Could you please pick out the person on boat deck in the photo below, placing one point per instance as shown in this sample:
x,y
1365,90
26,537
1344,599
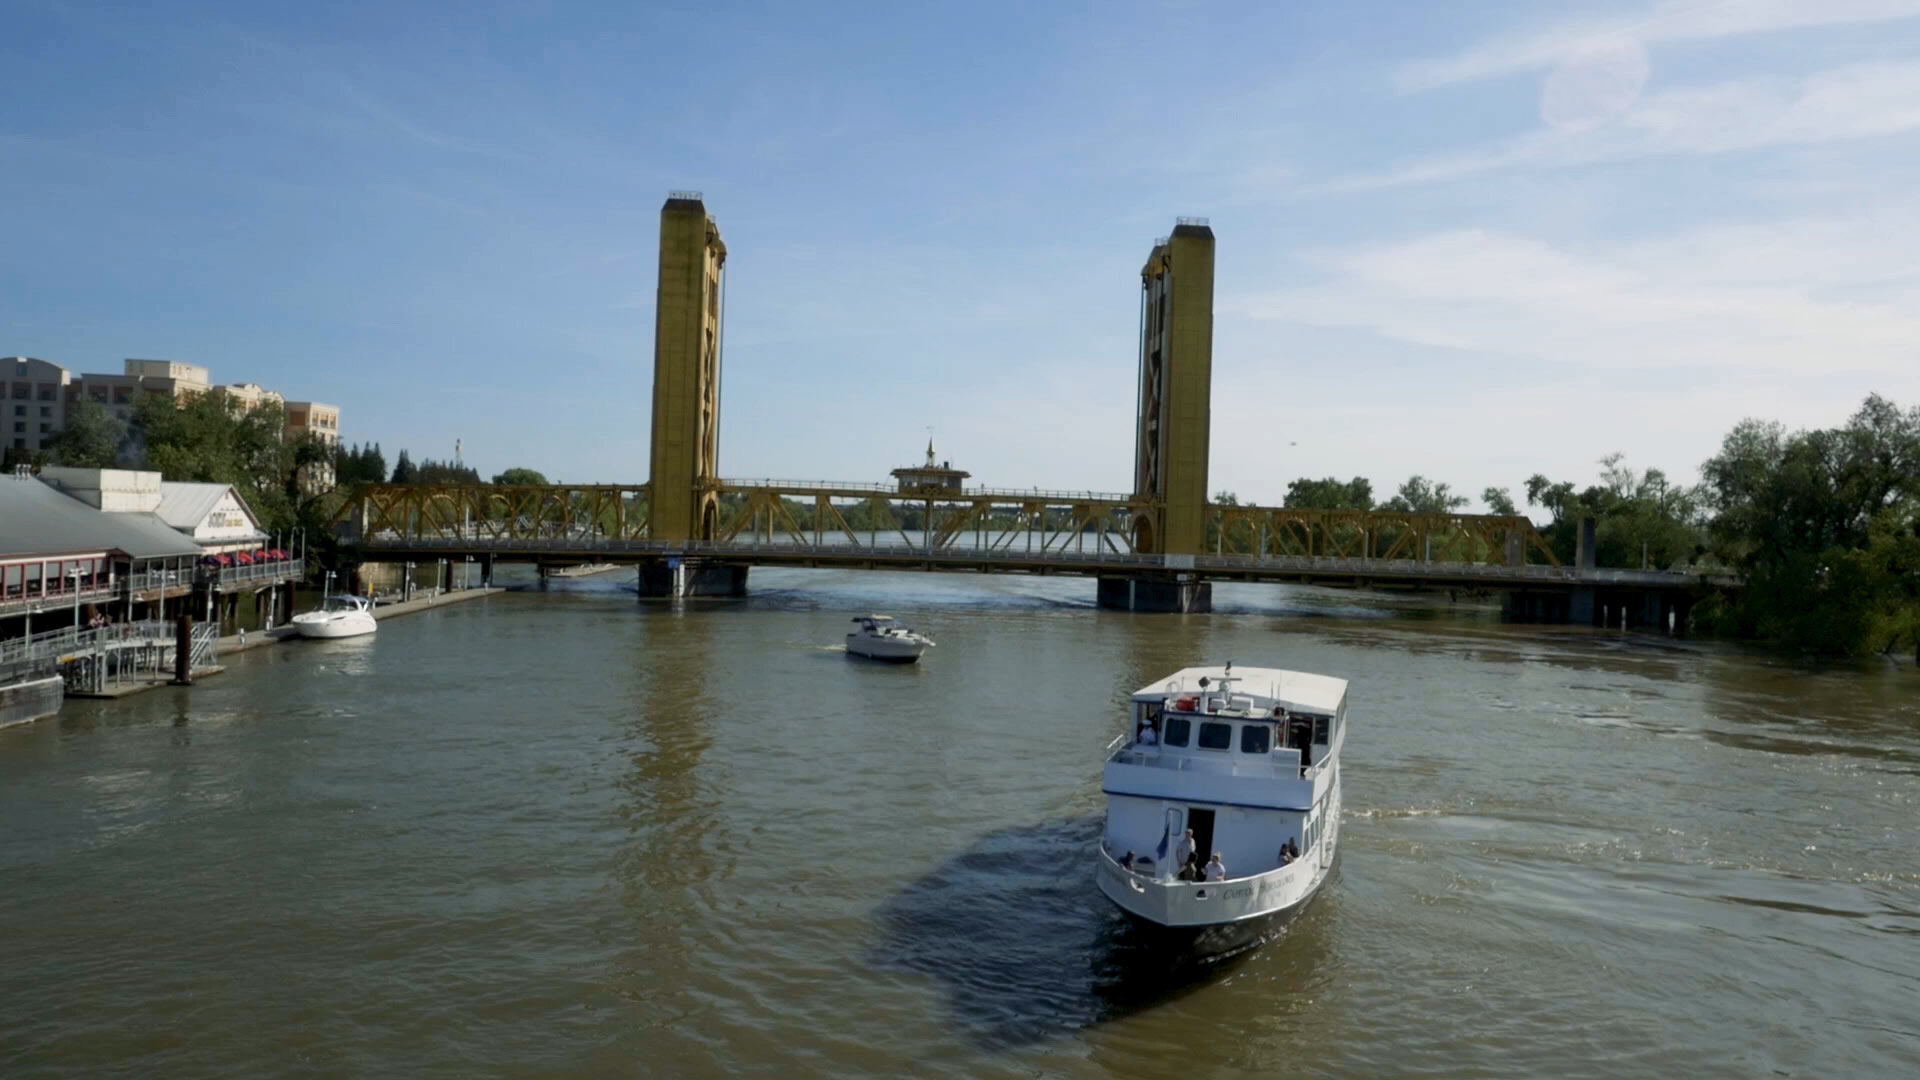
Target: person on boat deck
x,y
1216,870
1126,861
1147,736
1285,855
1186,852
1293,849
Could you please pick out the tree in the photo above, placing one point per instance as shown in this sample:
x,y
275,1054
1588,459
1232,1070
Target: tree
x,y
1641,519
1330,494
1221,498
1499,501
403,470
1822,522
520,476
360,465
429,471
1420,496
92,438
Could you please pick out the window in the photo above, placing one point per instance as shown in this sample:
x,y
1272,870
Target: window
x,y
1254,738
122,395
49,392
46,410
1322,725
1216,736
22,391
19,425
19,369
19,444
19,410
1178,728
44,428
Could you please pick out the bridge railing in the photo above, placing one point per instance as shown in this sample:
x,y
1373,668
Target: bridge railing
x,y
1318,565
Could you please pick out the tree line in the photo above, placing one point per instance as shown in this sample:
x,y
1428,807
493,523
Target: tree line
x,y
1822,525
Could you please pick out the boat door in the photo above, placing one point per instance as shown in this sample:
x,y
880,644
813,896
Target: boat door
x,y
1201,822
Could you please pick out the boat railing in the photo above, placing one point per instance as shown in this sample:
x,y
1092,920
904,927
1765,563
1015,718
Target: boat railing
x,y
1153,758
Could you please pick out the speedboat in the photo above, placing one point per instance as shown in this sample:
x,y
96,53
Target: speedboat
x,y
879,637
1241,768
338,616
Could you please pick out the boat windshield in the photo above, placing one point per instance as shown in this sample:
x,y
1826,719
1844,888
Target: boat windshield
x,y
343,603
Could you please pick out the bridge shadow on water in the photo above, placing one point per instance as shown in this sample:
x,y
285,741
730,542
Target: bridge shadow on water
x,y
1024,944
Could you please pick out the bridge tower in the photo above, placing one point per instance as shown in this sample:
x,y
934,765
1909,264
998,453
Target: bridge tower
x,y
1174,419
686,372
682,504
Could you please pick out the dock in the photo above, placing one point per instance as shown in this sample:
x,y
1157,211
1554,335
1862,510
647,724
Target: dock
x,y
131,659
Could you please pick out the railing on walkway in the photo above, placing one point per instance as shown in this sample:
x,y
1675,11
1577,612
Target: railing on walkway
x,y
260,573
19,599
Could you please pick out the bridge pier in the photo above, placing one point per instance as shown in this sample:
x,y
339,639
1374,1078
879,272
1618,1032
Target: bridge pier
x,y
1184,595
691,577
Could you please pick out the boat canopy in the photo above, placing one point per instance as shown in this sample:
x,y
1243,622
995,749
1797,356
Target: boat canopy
x,y
1252,689
872,618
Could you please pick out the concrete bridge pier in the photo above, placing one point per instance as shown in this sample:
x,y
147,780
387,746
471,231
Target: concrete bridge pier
x,y
676,576
1183,594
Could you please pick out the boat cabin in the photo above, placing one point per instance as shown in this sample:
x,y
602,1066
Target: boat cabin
x,y
1244,757
346,602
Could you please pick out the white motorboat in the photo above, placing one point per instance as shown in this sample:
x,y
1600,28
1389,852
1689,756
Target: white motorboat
x,y
1240,764
879,637
339,616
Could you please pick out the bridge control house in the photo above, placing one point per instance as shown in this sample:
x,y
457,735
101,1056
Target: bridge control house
x,y
932,476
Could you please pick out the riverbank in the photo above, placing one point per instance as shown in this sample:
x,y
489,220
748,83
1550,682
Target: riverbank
x,y
255,639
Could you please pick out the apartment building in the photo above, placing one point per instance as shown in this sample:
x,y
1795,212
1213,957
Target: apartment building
x,y
36,397
33,406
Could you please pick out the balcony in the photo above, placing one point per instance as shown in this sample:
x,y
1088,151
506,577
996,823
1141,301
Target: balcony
x,y
269,572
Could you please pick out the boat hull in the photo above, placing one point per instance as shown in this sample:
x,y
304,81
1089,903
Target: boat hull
x,y
1218,918
893,652
334,628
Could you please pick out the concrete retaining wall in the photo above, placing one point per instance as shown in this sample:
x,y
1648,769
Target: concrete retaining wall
x,y
24,701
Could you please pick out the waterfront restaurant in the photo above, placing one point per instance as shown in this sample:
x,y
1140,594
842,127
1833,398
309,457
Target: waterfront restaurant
x,y
63,561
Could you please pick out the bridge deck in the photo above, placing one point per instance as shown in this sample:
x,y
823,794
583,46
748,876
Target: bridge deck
x,y
1301,568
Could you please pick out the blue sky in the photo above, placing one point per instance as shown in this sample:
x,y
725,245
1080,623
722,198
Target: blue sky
x,y
1469,241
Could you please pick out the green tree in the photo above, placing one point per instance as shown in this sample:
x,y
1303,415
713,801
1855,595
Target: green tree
x,y
1499,501
1421,496
403,470
520,476
92,438
1330,494
1821,522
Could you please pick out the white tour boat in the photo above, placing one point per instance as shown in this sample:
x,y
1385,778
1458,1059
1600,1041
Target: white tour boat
x,y
1248,760
879,637
339,616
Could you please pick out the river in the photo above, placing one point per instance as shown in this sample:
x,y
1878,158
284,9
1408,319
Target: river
x,y
563,833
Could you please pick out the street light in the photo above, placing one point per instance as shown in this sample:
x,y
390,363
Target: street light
x,y
73,574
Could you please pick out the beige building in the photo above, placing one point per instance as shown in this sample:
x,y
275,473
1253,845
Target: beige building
x,y
306,418
36,398
33,402
250,395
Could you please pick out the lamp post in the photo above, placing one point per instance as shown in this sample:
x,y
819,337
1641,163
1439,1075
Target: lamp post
x,y
73,576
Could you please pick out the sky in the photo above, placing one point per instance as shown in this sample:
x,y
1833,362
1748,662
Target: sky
x,y
1469,241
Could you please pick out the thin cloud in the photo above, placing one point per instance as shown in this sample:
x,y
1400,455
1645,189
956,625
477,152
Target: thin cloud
x,y
1674,20
1685,302
1853,102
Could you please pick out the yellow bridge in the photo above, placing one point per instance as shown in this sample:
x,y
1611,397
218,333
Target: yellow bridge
x,y
691,531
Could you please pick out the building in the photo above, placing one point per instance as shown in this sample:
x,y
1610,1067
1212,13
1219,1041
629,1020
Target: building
x,y
63,560
37,397
250,395
935,475
33,408
321,421
220,531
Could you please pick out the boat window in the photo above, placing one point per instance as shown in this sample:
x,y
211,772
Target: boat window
x,y
1321,726
1216,736
1254,739
1175,731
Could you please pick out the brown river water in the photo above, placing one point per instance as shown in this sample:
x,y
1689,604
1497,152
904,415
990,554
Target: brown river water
x,y
562,833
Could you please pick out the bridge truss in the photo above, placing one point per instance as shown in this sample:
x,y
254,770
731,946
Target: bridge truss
x,y
880,518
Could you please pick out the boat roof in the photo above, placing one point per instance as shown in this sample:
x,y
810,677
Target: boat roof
x,y
873,618
1299,691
